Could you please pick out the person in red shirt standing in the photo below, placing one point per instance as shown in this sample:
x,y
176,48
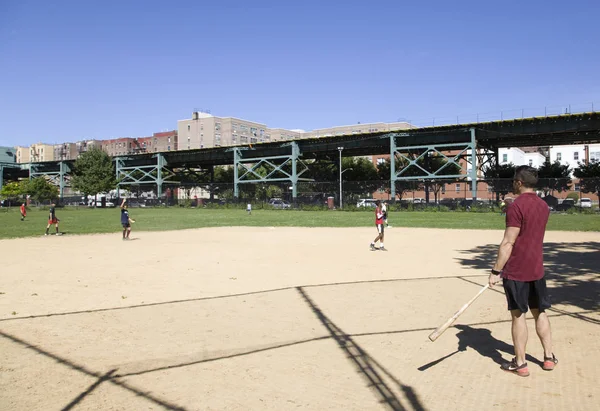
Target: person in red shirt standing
x,y
520,264
380,227
23,212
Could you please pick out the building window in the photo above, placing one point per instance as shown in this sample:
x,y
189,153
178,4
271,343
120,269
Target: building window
x,y
253,140
530,162
576,155
443,188
458,188
168,148
558,156
595,156
504,158
189,127
380,161
577,187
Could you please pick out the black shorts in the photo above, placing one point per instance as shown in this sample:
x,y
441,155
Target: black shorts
x,y
523,294
126,225
380,228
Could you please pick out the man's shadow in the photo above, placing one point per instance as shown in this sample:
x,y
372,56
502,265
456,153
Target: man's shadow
x,y
482,341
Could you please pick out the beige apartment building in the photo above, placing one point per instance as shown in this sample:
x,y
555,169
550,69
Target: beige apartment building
x,y
281,134
205,131
35,153
22,154
356,129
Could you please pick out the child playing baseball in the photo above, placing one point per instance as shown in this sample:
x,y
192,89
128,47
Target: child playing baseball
x,y
125,220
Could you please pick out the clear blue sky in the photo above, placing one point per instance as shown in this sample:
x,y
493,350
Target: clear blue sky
x,y
81,69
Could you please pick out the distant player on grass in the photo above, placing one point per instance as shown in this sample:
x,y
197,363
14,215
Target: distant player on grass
x,y
52,218
379,225
23,212
521,263
125,220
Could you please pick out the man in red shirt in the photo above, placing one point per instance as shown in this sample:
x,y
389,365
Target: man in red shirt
x,y
23,212
379,217
520,264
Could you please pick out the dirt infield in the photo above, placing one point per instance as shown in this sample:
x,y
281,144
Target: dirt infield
x,y
285,319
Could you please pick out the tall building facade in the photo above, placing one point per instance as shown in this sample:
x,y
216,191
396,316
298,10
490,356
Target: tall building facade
x,y
204,130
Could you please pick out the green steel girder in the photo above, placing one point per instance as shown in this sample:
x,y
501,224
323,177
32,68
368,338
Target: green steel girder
x,y
249,165
58,177
467,145
156,173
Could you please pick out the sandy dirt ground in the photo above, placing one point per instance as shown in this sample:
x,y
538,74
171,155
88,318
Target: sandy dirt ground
x,y
285,319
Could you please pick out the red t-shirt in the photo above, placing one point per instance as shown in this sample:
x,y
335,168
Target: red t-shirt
x,y
529,213
378,216
23,210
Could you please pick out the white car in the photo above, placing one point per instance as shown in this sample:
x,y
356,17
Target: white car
x,y
585,203
281,204
99,204
366,202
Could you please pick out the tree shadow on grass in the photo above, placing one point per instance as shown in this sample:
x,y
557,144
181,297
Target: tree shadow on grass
x,y
572,269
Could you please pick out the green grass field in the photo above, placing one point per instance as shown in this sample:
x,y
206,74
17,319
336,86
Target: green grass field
x,y
89,221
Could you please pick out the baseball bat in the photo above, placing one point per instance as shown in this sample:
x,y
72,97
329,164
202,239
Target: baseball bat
x,y
440,330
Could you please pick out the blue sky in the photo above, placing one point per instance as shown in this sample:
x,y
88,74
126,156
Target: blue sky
x,y
81,69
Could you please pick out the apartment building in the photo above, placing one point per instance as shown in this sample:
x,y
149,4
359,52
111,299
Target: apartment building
x,y
573,154
22,154
35,153
118,146
85,145
281,134
65,151
356,129
521,157
158,142
205,131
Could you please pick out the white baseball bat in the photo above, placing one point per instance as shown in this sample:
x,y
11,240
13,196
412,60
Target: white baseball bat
x,y
438,331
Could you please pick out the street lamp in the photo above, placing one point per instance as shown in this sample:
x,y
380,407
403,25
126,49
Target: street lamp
x,y
341,172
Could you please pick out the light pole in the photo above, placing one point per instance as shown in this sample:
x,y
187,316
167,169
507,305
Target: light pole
x,y
341,172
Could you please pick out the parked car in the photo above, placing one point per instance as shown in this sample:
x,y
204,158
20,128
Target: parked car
x,y
281,204
585,203
566,204
366,202
109,204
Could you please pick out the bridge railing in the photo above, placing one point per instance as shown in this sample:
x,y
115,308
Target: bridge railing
x,y
508,114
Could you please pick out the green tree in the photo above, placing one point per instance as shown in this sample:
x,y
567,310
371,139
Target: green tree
x,y
499,178
589,177
554,177
94,173
40,190
11,190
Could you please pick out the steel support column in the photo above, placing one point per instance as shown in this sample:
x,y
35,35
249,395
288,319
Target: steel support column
x,y
160,162
1,176
473,172
294,178
236,177
64,169
118,174
393,175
